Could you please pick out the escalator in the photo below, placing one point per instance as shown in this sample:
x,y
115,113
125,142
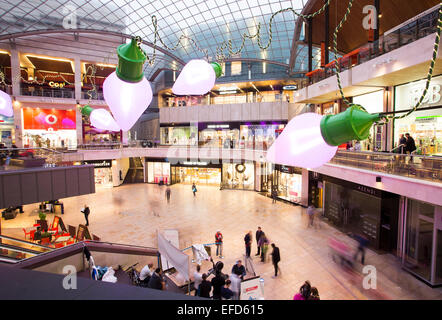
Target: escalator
x,y
13,250
135,174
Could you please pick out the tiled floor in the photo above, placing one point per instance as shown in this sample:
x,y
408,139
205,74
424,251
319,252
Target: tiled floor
x,y
133,214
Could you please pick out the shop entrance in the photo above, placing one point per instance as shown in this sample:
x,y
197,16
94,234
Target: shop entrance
x,y
198,175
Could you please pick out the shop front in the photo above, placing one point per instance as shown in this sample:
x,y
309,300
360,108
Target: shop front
x,y
7,130
219,135
179,135
424,126
238,176
422,242
359,209
288,183
93,135
199,172
102,172
158,171
51,128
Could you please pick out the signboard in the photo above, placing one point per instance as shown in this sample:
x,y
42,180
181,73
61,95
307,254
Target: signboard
x,y
252,289
48,119
99,163
83,233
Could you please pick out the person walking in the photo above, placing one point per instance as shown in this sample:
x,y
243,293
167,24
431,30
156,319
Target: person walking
x,y
274,195
194,190
205,287
219,244
311,215
168,191
362,244
248,243
275,258
235,285
258,235
86,212
263,243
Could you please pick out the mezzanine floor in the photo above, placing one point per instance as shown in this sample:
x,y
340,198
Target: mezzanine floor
x,y
132,214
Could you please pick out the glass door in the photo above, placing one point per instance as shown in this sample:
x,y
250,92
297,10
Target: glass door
x,y
438,252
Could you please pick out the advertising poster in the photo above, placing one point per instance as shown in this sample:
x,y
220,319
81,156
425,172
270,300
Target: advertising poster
x,y
48,119
252,289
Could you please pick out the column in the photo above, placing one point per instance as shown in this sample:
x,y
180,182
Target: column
x,y
15,72
310,44
326,33
77,66
378,10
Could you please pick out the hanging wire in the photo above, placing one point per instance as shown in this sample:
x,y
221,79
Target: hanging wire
x,y
387,118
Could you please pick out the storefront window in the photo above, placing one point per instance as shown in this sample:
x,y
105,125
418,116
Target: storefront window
x,y
353,211
217,137
103,177
158,171
419,238
197,175
182,136
289,186
259,136
238,176
424,126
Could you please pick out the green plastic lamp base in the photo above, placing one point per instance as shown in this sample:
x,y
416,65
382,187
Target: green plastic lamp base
x,y
217,67
130,62
86,110
352,124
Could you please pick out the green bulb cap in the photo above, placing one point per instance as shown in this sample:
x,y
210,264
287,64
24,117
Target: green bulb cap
x,y
217,67
352,124
130,62
86,110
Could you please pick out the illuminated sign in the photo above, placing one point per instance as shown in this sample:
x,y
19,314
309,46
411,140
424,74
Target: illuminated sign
x,y
218,126
190,163
48,119
290,87
53,84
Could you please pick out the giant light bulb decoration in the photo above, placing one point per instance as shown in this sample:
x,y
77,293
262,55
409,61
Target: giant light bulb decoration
x,y
126,91
5,104
310,140
197,78
100,118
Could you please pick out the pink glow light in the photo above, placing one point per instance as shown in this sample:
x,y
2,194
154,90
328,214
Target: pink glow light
x,y
196,78
126,100
5,104
301,144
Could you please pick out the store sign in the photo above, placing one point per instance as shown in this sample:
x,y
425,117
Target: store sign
x,y
218,126
286,169
433,96
428,118
53,84
290,87
252,289
368,190
193,163
99,163
48,119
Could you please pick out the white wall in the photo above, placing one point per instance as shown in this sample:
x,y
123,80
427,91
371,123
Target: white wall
x,y
121,164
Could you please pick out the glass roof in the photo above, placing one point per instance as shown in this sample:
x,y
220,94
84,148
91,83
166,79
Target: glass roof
x,y
207,22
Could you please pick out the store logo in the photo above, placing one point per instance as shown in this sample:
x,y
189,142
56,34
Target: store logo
x,y
70,280
51,119
433,95
370,280
367,190
370,21
53,84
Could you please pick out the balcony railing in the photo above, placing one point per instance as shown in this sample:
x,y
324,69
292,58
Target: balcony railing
x,y
92,95
419,167
407,34
51,93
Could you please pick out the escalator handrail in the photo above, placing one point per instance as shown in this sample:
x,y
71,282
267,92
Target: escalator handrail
x,y
18,249
25,242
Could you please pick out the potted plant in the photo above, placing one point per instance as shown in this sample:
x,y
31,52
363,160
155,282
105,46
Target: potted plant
x,y
42,216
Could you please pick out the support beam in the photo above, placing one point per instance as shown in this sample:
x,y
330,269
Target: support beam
x,y
310,44
326,33
378,11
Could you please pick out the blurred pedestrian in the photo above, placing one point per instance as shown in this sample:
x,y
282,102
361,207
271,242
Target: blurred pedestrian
x,y
205,287
264,244
248,243
258,235
168,191
275,258
410,145
194,190
235,285
362,244
198,279
311,215
274,195
86,212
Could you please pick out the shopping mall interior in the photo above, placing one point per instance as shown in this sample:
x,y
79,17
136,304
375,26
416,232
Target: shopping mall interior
x,y
225,150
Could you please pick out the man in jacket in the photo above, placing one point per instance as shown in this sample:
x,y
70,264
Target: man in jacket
x,y
217,283
248,243
275,258
258,235
239,269
156,280
205,287
410,145
86,212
